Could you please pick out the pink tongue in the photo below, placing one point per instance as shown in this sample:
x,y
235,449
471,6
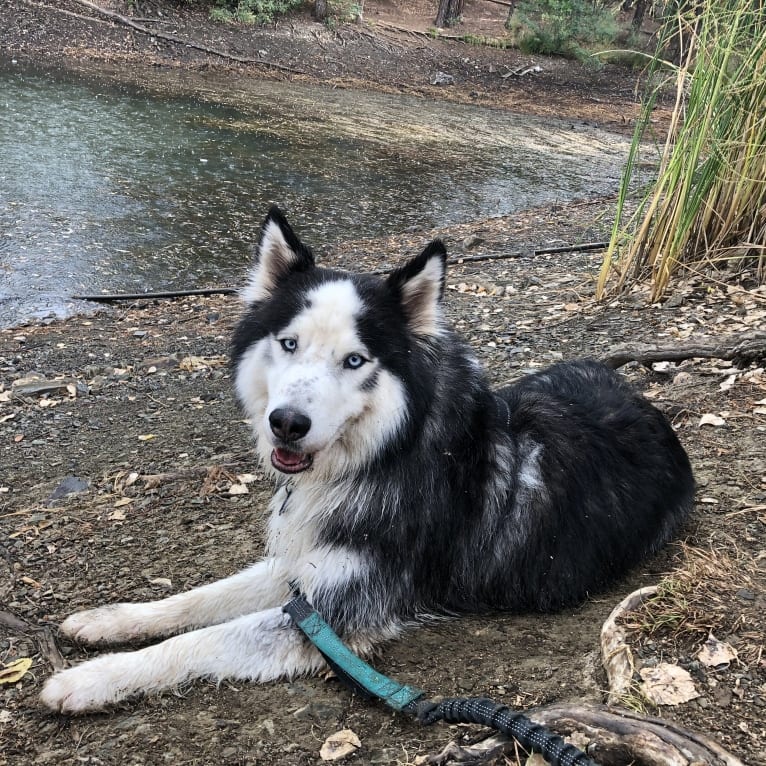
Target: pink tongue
x,y
289,458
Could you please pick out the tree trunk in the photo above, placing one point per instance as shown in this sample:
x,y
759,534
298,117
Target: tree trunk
x,y
638,15
449,12
511,11
320,10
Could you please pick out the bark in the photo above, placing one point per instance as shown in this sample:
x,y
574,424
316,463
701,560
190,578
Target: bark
x,y
638,15
320,10
449,12
740,349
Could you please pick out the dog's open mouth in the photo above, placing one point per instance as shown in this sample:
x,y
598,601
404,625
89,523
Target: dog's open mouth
x,y
290,462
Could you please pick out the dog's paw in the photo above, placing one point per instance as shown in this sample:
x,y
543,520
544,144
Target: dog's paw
x,y
85,688
112,624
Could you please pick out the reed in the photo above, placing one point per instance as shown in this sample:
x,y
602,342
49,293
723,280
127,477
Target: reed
x,y
706,208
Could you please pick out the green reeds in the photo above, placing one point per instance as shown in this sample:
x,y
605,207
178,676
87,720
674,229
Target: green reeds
x,y
706,208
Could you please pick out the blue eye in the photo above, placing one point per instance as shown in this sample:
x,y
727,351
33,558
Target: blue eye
x,y
354,361
289,344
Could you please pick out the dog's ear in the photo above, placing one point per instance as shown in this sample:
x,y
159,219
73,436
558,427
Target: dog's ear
x,y
279,253
419,285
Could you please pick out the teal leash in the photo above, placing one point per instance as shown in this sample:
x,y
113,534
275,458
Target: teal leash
x,y
349,667
363,678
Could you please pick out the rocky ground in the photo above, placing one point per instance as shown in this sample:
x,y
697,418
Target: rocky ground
x,y
124,456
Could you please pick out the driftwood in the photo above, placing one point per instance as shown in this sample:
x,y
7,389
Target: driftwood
x,y
621,736
616,656
610,736
741,349
125,21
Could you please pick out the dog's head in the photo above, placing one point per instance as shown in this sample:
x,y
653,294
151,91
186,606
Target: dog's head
x,y
326,361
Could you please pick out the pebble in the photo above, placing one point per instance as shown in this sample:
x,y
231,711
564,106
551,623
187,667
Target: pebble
x,y
442,78
320,711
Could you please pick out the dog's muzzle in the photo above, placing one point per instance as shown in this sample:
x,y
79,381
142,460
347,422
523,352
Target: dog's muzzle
x,y
289,427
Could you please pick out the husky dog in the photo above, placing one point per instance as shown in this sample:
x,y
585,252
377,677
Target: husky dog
x,y
406,488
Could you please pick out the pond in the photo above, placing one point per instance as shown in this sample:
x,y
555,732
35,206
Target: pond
x,y
160,180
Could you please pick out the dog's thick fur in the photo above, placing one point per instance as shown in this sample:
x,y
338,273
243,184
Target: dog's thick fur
x,y
406,488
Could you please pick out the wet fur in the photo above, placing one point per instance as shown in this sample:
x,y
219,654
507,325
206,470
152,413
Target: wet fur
x,y
428,493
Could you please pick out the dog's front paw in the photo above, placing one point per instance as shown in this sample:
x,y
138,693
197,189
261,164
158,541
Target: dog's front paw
x,y
113,624
86,688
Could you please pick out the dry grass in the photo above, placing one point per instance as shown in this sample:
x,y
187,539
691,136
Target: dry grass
x,y
706,209
704,596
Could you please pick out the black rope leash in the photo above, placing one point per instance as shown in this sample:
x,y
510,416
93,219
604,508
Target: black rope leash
x,y
367,681
529,735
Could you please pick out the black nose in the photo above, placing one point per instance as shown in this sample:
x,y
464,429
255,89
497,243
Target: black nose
x,y
289,425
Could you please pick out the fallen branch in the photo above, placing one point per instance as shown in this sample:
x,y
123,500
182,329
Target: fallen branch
x,y
209,472
113,297
46,644
433,34
63,11
457,261
741,349
125,21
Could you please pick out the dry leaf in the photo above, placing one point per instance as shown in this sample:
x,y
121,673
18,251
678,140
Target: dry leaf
x,y
116,516
667,684
145,437
163,582
197,363
123,501
238,489
339,745
132,479
709,419
715,653
14,672
246,478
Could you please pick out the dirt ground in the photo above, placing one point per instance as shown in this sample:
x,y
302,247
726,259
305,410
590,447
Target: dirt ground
x,y
120,444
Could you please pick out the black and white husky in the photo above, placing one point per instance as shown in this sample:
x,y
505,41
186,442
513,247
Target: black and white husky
x,y
406,488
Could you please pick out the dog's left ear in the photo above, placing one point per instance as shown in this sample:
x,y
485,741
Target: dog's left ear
x,y
419,285
279,253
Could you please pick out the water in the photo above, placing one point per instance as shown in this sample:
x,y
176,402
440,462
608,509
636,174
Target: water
x,y
105,186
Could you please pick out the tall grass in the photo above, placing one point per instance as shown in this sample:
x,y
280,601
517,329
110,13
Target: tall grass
x,y
706,209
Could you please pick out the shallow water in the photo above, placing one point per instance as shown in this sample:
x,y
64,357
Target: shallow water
x,y
108,186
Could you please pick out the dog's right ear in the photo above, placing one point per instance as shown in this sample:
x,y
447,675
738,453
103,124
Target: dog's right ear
x,y
279,253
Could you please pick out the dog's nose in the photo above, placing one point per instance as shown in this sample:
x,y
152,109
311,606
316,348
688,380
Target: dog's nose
x,y
289,425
